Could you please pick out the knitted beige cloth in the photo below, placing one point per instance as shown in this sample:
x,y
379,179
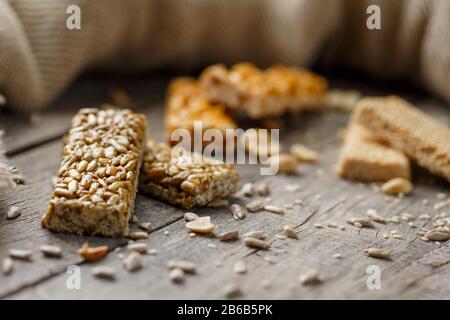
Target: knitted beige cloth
x,y
40,56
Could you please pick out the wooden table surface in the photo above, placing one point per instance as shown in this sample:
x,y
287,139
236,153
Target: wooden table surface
x,y
418,269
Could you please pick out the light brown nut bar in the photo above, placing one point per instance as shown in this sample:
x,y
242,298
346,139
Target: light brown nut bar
x,y
408,129
186,104
97,181
365,159
263,93
185,183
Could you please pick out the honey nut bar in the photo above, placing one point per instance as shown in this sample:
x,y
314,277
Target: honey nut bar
x,y
364,158
186,104
408,129
263,93
97,180
180,181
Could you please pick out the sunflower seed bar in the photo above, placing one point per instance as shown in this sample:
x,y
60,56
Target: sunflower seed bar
x,y
97,181
178,180
186,104
408,129
263,93
364,158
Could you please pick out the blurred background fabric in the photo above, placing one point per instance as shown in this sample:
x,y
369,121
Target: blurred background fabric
x,y
40,56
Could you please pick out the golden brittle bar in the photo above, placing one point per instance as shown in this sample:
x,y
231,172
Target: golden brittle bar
x,y
187,104
181,181
97,181
263,93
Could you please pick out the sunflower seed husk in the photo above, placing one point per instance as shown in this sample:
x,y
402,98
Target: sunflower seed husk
x,y
104,272
238,212
310,277
254,206
232,290
176,275
13,213
147,226
228,235
7,265
138,235
133,261
190,216
186,266
20,254
290,232
256,243
138,247
240,267
274,209
378,253
51,251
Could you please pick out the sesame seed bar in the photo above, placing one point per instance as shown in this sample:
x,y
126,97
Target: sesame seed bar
x,y
408,129
97,180
263,93
186,104
178,180
364,158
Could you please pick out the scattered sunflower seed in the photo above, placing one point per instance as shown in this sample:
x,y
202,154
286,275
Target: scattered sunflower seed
x,y
363,221
20,254
237,211
232,290
398,236
153,252
441,196
437,235
7,265
280,237
51,251
240,267
270,259
303,153
186,266
397,186
133,261
274,209
318,226
440,205
248,189
375,216
290,232
262,190
147,226
201,225
192,234
257,234
298,202
228,235
166,233
190,216
13,213
256,243
342,228
412,225
424,217
337,256
134,219
332,224
292,187
176,275
254,206
378,253
310,277
212,246
104,272
138,247
138,235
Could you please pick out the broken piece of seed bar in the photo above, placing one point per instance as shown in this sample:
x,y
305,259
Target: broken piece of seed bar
x,y
263,93
408,129
97,180
364,158
182,179
186,103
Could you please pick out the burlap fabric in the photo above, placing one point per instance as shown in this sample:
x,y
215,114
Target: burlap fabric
x,y
39,56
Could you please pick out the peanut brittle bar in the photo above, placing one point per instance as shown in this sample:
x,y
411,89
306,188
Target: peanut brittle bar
x,y
408,129
186,104
180,181
364,158
263,93
97,181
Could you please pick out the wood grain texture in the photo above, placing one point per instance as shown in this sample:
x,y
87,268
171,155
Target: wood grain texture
x,y
417,269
